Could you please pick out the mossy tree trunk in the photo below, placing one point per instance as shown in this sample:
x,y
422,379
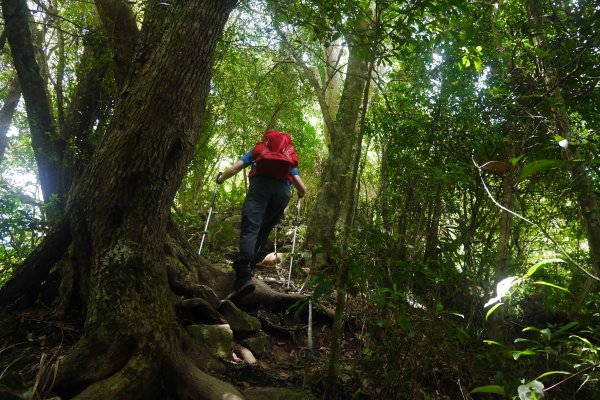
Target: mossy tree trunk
x,y
119,210
117,221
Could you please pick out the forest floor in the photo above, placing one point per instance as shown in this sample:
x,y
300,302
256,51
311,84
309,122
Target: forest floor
x,y
289,361
32,342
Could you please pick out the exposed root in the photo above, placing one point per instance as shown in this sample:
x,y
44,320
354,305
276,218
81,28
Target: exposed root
x,y
190,383
138,379
271,299
198,311
91,360
23,288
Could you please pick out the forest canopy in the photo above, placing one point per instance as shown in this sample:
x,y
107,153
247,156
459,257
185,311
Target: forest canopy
x,y
448,243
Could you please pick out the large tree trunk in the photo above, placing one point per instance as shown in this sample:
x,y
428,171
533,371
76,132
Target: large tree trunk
x,y
586,198
117,216
120,207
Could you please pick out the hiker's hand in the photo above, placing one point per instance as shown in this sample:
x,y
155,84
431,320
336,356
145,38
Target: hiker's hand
x,y
219,178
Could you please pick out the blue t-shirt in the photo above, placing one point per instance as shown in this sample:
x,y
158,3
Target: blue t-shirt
x,y
248,160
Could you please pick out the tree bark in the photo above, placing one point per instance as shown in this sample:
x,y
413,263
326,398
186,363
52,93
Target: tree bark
x,y
7,111
343,129
432,236
586,198
86,105
47,147
333,70
121,28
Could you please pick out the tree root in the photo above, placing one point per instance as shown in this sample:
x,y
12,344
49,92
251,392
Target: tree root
x,y
191,383
271,299
199,311
139,378
23,288
108,356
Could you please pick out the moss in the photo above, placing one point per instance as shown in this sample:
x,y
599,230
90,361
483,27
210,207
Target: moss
x,y
118,255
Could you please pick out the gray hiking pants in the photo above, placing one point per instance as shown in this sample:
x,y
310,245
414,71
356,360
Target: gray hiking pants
x,y
265,202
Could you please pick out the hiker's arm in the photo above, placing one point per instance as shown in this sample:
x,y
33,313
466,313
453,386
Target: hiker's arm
x,y
299,185
231,171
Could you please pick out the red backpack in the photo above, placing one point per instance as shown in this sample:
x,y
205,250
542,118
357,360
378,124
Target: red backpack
x,y
275,156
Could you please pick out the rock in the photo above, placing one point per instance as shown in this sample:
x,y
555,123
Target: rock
x,y
269,260
256,344
239,321
215,338
272,393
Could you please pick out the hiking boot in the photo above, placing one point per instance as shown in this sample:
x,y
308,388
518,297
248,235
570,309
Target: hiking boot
x,y
243,286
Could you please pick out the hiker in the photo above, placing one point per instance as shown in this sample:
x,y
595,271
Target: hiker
x,y
273,171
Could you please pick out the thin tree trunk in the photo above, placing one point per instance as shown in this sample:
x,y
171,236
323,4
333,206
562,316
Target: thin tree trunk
x,y
333,86
503,249
121,28
7,112
586,198
343,275
84,109
432,238
403,224
47,147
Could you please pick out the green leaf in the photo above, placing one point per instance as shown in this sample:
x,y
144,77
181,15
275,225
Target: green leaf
x,y
584,340
565,328
533,269
492,310
553,285
478,64
515,160
493,342
490,389
527,352
540,166
552,373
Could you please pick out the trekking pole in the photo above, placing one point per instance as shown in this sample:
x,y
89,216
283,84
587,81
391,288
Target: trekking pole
x,y
310,333
212,204
276,227
294,241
